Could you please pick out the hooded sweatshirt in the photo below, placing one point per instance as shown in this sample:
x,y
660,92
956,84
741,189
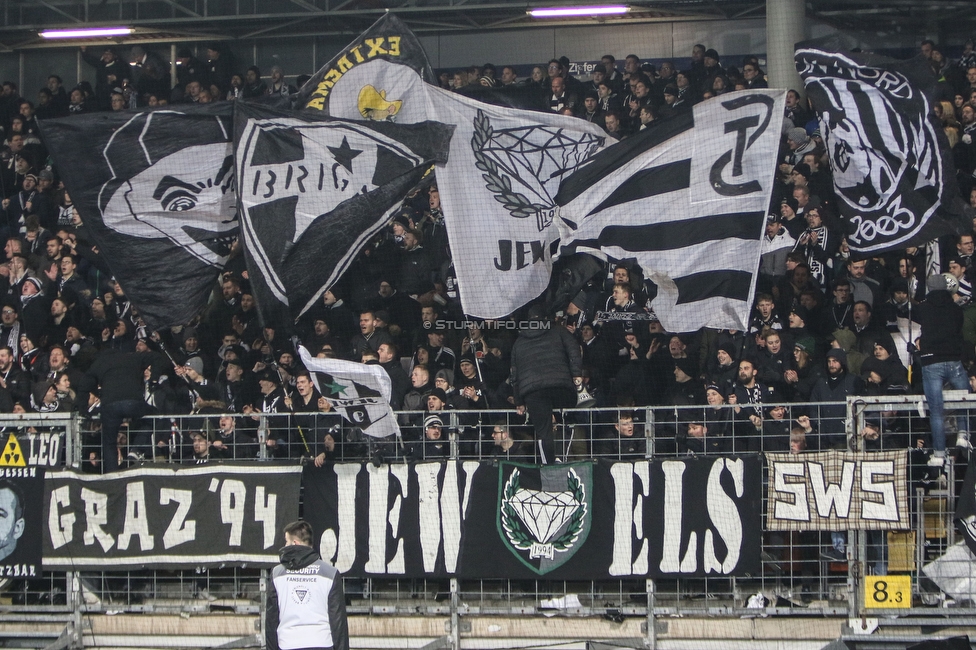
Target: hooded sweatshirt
x,y
306,608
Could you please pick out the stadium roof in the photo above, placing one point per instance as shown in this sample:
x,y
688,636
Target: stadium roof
x,y
168,20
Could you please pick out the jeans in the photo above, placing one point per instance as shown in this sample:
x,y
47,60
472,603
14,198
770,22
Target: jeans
x,y
933,378
112,416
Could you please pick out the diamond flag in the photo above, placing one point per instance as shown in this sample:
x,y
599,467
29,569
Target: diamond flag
x,y
504,168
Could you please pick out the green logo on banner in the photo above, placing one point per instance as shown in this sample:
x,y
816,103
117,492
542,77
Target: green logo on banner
x,y
544,512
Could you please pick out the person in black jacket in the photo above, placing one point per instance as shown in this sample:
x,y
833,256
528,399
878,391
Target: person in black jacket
x,y
119,376
941,353
547,365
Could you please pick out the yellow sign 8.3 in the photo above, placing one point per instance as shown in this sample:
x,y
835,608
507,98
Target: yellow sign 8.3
x,y
887,592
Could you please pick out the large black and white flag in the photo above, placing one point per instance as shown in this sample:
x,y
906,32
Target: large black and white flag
x,y
504,168
359,392
498,191
892,168
687,198
314,191
156,190
368,78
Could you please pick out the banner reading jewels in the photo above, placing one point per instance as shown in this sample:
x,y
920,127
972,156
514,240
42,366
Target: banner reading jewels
x,y
204,515
589,520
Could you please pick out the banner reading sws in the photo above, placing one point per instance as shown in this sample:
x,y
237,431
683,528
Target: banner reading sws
x,y
589,520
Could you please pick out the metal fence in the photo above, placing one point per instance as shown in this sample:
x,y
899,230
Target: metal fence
x,y
797,577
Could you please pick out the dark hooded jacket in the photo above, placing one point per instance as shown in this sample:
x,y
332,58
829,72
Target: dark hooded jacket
x,y
544,358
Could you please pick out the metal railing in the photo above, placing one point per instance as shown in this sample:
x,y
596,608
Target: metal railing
x,y
795,578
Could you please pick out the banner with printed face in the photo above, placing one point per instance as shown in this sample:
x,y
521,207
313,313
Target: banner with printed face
x,y
155,188
837,491
204,515
589,520
21,496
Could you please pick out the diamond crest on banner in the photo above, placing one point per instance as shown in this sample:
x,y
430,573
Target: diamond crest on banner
x,y
545,523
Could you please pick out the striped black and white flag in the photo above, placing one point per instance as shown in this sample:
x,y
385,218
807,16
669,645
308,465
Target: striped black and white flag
x,y
687,198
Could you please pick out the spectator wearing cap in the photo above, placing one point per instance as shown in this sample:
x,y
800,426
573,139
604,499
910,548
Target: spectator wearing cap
x,y
687,389
807,373
435,445
546,362
200,444
272,402
235,387
591,108
883,372
776,245
835,387
799,144
470,386
723,367
18,206
110,72
694,437
964,294
220,66
941,351
278,86
253,85
444,379
189,68
35,307
416,268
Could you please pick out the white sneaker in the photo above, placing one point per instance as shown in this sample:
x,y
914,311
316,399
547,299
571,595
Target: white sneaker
x,y
962,440
936,461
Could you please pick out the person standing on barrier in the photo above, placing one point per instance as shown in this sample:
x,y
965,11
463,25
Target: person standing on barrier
x,y
119,376
941,353
306,606
547,365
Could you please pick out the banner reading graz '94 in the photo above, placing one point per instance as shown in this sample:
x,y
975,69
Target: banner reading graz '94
x,y
588,520
204,515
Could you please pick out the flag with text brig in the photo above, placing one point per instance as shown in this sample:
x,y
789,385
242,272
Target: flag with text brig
x,y
314,191
686,197
359,392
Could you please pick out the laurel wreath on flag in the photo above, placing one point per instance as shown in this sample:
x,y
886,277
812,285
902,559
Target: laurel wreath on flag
x,y
518,205
520,538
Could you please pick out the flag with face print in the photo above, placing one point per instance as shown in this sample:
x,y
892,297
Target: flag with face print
x,y
156,191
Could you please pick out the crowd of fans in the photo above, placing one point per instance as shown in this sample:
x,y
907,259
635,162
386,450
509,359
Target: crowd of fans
x,y
824,326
